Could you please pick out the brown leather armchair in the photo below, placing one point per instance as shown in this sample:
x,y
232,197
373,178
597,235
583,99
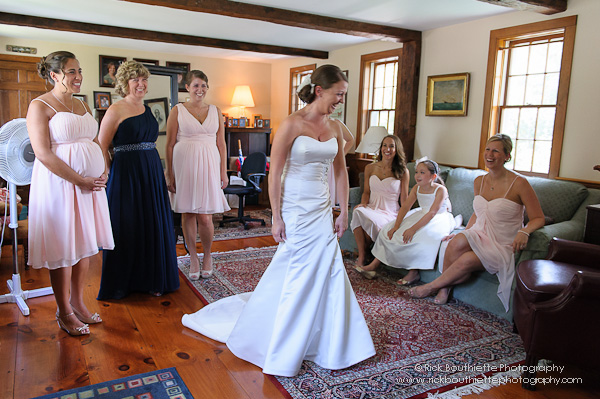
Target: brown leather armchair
x,y
557,306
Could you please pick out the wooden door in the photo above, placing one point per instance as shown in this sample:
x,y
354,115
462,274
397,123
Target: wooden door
x,y
19,84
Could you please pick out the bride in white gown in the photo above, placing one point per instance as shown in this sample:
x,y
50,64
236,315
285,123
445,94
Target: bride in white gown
x,y
303,308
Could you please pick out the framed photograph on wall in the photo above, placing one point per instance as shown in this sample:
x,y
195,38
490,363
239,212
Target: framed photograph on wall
x,y
108,69
102,99
160,109
340,110
146,61
447,95
185,68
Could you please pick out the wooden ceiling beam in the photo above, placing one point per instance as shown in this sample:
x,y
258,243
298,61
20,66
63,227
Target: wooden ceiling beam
x,y
290,18
547,7
139,34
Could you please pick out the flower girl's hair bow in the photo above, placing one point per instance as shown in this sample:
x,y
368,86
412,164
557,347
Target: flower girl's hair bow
x,y
305,82
436,167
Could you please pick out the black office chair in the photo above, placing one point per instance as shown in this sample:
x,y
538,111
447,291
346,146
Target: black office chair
x,y
253,171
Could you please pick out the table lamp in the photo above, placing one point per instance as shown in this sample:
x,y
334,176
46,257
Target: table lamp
x,y
372,140
242,97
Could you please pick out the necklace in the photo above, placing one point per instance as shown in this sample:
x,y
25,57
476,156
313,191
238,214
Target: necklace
x,y
72,105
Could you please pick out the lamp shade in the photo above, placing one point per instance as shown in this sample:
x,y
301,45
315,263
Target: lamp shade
x,y
372,140
242,97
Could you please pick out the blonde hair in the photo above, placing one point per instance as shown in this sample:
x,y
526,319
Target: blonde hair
x,y
506,142
129,70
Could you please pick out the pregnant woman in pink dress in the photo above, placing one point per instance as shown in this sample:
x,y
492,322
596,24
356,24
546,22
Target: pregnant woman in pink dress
x,y
385,182
494,232
197,169
68,209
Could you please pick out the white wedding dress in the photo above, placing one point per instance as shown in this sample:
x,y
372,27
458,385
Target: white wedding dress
x,y
303,308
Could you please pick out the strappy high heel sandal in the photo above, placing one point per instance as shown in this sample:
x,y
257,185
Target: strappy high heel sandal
x,y
195,276
93,319
83,330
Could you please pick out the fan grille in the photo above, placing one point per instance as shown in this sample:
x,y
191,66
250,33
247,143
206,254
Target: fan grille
x,y
16,153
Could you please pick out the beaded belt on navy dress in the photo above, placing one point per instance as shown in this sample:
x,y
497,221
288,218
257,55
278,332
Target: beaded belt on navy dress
x,y
135,147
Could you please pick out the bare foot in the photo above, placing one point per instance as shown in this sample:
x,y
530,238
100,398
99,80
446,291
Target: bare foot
x,y
442,296
421,291
411,277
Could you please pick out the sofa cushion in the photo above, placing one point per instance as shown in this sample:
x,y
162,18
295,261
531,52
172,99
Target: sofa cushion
x,y
460,190
559,199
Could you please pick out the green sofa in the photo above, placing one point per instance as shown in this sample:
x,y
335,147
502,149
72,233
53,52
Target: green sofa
x,y
563,202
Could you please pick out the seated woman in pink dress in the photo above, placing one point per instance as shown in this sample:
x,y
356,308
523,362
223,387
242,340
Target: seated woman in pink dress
x,y
494,232
385,181
197,169
68,209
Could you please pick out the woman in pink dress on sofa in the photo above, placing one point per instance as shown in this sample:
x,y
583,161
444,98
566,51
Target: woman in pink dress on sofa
x,y
385,182
197,169
495,230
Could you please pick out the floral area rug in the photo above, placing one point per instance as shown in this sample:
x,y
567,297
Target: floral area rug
x,y
236,230
423,349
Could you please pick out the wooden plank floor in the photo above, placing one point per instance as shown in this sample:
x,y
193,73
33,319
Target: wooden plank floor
x,y
142,333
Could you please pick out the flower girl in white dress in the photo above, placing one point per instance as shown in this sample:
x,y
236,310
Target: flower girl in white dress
x,y
413,242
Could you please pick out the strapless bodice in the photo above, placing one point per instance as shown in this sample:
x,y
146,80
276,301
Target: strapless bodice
x,y
310,159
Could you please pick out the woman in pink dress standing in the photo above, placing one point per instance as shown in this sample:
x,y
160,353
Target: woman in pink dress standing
x,y
386,181
68,209
197,168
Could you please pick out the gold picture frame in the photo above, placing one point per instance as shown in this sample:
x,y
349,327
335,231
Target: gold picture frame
x,y
447,95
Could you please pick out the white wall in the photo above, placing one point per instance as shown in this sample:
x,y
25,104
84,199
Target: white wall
x,y
464,48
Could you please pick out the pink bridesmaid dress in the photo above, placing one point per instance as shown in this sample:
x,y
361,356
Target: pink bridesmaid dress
x,y
383,206
196,165
67,223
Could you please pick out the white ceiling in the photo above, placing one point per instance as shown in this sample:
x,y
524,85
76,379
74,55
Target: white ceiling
x,y
409,14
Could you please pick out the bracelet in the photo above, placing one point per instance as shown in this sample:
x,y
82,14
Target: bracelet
x,y
524,232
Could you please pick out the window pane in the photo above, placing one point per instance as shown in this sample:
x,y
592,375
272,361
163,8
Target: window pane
x,y
374,118
527,121
390,126
388,98
537,58
524,155
518,61
551,89
383,118
379,75
509,121
533,91
541,156
554,57
378,99
389,74
516,90
545,124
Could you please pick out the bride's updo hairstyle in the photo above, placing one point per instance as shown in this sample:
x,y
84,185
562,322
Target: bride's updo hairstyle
x,y
53,62
129,70
325,76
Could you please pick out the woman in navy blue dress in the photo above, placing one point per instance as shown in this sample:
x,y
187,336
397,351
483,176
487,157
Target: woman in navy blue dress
x,y
144,258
